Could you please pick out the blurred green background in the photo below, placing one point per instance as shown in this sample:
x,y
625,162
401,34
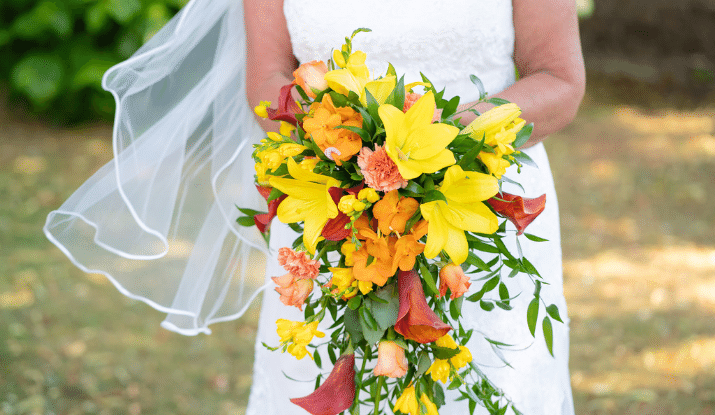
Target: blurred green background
x,y
53,53
634,174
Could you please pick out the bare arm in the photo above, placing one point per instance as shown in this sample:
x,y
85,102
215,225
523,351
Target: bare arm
x,y
269,59
548,55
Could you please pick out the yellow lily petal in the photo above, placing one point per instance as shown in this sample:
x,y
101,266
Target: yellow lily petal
x,y
442,234
474,217
468,187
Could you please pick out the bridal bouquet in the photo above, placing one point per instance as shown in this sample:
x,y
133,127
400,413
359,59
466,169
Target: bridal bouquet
x,y
393,204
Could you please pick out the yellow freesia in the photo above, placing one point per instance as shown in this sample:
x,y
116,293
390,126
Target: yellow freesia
x,y
429,405
463,211
308,201
415,144
495,163
407,402
439,370
462,358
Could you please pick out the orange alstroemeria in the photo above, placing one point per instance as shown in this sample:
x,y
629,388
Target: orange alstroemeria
x,y
415,319
393,212
338,144
336,394
380,248
408,247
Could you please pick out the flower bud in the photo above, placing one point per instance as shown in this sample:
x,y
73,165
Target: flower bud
x,y
452,276
391,360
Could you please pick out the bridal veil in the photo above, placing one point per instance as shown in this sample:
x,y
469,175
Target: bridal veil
x,y
159,220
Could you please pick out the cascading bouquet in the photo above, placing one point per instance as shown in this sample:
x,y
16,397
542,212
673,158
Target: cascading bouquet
x,y
386,200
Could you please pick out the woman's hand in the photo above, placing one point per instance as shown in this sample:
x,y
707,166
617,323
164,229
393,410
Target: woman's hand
x,y
547,54
269,58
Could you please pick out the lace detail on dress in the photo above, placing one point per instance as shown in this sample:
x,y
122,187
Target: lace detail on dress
x,y
446,40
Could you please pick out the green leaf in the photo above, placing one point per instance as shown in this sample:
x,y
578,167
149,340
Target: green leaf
x,y
39,77
498,101
391,70
503,292
491,284
355,302
523,135
359,131
427,277
477,244
367,319
548,335
532,314
352,325
524,158
486,305
433,195
246,221
553,311
472,153
529,267
249,212
275,194
534,238
317,359
438,393
397,96
451,107
386,310
423,364
480,86
455,307
413,189
444,352
474,260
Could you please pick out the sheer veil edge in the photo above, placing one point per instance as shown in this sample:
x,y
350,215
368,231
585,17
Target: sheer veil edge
x,y
159,220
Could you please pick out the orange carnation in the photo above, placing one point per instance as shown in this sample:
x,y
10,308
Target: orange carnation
x,y
338,144
298,264
379,170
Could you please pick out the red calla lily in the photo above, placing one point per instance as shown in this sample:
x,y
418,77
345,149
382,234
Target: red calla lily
x,y
287,107
416,320
335,230
336,394
263,220
521,211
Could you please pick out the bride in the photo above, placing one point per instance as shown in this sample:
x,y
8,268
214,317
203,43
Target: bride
x,y
159,219
447,41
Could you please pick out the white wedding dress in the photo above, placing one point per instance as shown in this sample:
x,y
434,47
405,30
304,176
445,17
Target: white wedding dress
x,y
447,41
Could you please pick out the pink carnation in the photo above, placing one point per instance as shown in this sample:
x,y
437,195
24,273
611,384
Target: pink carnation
x,y
298,264
410,100
379,170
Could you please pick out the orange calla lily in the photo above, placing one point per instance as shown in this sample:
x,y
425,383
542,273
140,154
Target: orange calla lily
x,y
415,319
521,211
336,394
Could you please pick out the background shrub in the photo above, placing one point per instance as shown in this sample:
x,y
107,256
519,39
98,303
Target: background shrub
x,y
53,53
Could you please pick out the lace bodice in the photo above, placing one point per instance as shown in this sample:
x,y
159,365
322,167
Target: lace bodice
x,y
446,40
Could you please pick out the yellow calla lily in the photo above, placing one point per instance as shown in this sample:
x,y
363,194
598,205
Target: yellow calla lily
x,y
463,211
415,144
308,201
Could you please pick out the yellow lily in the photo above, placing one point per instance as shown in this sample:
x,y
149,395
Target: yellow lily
x,y
463,211
415,144
493,120
308,200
